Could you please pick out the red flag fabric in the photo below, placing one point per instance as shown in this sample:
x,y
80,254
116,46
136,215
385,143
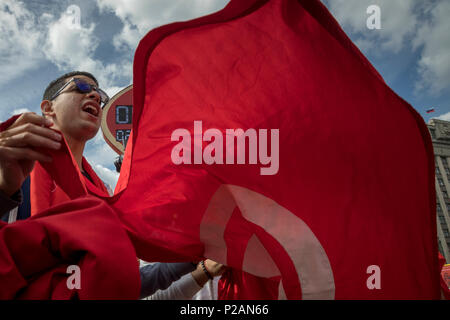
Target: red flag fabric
x,y
335,191
40,255
236,284
54,184
5,125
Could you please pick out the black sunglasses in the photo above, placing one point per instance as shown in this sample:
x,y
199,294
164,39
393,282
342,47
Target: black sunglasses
x,y
83,87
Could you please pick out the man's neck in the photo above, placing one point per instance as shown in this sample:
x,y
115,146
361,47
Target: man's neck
x,y
77,149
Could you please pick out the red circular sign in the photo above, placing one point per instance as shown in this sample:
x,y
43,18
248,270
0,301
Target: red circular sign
x,y
117,119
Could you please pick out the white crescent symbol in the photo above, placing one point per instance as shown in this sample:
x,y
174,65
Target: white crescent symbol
x,y
293,234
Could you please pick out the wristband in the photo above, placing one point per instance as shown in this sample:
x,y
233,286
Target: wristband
x,y
206,271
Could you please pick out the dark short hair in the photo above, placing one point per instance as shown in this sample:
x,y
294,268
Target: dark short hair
x,y
56,84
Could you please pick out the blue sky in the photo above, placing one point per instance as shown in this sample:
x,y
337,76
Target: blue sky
x,y
40,40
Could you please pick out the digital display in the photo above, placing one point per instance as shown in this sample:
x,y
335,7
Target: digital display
x,y
123,115
122,135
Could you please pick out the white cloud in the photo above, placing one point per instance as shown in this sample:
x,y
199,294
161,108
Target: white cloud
x,y
398,21
102,157
19,111
128,38
19,40
365,45
139,17
28,39
111,91
434,63
69,46
414,24
73,48
445,117
108,176
97,151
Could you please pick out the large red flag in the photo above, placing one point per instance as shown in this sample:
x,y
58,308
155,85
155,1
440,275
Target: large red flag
x,y
329,186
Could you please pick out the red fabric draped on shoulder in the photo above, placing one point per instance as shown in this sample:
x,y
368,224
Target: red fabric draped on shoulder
x,y
37,252
61,180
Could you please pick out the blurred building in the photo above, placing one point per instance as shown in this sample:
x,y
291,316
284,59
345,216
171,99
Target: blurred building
x,y
440,134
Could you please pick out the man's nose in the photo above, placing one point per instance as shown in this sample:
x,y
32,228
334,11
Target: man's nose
x,y
95,96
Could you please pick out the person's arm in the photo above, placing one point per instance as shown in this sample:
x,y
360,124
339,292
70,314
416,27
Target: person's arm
x,y
190,284
160,276
183,289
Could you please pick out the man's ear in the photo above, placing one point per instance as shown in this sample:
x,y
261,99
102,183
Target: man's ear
x,y
47,108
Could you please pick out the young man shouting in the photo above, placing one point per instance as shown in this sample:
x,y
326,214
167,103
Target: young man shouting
x,y
72,105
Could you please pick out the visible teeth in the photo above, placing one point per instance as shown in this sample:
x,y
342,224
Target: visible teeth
x,y
90,109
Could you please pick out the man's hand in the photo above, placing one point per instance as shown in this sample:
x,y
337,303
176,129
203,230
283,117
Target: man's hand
x,y
17,149
214,269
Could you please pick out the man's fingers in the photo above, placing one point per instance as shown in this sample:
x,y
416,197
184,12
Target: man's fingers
x,y
31,117
32,128
29,139
23,154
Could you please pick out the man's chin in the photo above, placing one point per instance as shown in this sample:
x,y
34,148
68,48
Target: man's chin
x,y
90,131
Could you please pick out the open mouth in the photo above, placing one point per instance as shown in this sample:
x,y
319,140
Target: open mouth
x,y
92,110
